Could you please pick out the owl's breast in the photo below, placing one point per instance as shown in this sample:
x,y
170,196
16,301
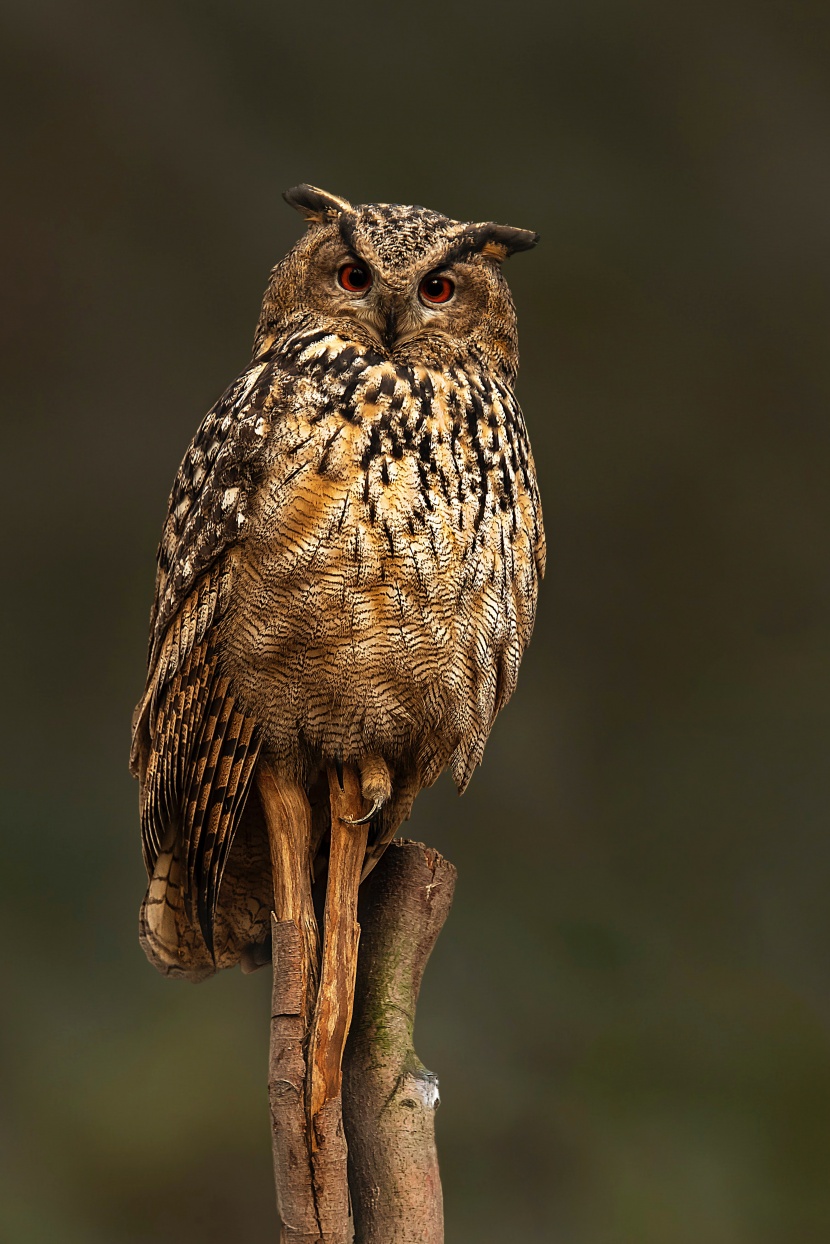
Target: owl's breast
x,y
386,577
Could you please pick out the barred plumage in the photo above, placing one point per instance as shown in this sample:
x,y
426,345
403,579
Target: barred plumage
x,y
349,567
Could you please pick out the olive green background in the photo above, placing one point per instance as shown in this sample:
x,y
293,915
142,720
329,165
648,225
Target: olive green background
x,y
629,1007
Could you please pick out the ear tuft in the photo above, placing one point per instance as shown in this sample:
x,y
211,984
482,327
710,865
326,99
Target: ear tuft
x,y
500,241
316,205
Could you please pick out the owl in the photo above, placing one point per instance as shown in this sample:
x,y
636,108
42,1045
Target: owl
x,y
348,570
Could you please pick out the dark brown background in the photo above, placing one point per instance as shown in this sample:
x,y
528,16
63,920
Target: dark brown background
x,y
629,1007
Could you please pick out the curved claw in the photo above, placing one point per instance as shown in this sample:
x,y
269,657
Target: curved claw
x,y
362,820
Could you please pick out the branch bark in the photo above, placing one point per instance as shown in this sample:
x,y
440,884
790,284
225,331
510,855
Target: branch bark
x,y
294,954
383,1100
389,1097
333,1010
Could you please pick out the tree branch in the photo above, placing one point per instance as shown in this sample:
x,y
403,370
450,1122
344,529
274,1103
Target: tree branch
x,y
389,1097
386,1099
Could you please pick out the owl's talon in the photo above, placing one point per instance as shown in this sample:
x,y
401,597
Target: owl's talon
x,y
362,820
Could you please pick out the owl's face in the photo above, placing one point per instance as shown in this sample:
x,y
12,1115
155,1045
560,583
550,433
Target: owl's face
x,y
407,282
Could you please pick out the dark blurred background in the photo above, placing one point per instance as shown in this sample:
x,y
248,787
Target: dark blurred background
x,y
629,1007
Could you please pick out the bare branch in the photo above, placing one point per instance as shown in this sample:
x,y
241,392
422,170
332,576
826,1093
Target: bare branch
x,y
389,1097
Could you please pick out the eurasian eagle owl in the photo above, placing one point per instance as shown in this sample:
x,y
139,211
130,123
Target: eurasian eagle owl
x,y
349,567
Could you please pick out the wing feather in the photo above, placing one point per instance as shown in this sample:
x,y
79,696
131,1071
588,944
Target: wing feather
x,y
194,749
229,790
203,752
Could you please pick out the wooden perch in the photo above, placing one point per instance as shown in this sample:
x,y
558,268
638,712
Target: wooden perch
x,y
389,1097
311,1005
294,955
384,1095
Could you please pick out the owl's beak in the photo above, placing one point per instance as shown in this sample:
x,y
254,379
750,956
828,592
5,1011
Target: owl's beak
x,y
389,317
390,325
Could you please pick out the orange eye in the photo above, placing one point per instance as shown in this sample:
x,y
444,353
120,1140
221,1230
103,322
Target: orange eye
x,y
354,277
436,289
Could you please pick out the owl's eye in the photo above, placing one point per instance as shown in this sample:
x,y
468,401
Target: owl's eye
x,y
354,277
436,289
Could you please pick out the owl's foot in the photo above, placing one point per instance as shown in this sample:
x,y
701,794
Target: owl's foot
x,y
363,820
375,787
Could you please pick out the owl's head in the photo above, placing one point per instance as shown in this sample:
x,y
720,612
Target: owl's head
x,y
408,282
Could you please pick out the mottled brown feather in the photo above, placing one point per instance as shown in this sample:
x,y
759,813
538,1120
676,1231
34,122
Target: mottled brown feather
x,y
349,566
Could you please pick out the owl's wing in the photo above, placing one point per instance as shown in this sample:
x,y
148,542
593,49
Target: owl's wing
x,y
194,750
208,507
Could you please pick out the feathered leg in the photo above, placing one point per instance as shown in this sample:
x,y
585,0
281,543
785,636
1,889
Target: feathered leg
x,y
376,787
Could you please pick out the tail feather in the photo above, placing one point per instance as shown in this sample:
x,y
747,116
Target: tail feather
x,y
202,752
